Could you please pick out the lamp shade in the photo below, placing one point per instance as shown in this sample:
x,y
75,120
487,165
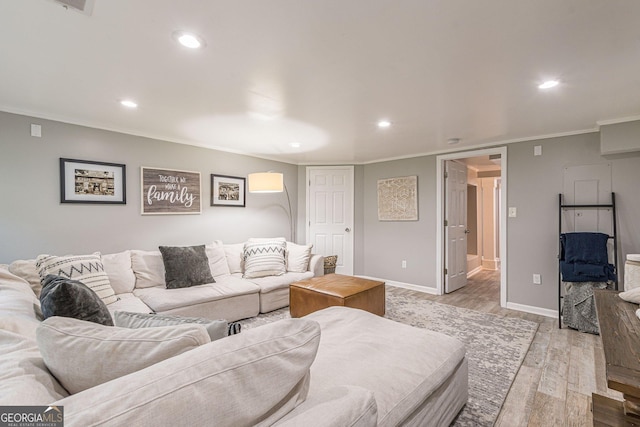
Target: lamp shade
x,y
266,182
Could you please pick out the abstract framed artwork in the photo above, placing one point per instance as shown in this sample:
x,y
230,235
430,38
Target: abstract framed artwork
x,y
228,190
86,181
398,199
170,191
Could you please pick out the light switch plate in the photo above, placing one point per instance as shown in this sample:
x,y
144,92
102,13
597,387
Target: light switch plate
x,y
513,212
36,130
537,150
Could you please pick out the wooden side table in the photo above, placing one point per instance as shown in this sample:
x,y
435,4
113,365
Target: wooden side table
x,y
620,332
329,290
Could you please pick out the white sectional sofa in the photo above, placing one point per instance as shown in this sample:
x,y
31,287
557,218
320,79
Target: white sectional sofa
x,y
335,367
138,279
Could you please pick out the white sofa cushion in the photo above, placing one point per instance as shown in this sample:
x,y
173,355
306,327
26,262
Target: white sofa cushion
x,y
337,406
271,283
129,302
162,299
24,379
217,260
298,257
82,354
268,367
118,268
265,258
148,268
398,392
87,269
26,269
234,254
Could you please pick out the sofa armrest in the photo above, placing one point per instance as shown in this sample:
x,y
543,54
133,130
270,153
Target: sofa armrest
x,y
316,265
336,406
220,383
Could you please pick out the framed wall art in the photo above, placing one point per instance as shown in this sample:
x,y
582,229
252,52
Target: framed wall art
x,y
85,181
228,190
398,199
170,191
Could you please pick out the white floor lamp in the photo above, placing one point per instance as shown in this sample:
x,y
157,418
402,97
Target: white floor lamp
x,y
272,182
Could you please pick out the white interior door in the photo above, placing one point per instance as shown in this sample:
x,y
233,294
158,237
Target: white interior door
x,y
330,213
455,225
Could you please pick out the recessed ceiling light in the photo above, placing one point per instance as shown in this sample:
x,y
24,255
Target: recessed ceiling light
x,y
128,103
384,123
295,144
190,40
548,84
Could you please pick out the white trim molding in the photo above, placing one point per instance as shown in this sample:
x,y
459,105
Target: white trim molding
x,y
533,310
410,286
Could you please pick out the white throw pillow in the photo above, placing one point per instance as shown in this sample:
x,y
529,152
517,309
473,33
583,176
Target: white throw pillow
x,y
148,268
264,259
632,295
217,260
298,257
87,269
83,354
234,257
118,268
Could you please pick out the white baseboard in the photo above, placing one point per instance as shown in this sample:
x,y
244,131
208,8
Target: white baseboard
x,y
410,286
533,310
475,271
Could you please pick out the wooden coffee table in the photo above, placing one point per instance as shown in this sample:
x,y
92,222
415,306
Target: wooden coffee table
x,y
307,296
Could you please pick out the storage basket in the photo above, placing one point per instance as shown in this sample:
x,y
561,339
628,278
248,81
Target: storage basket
x,y
330,264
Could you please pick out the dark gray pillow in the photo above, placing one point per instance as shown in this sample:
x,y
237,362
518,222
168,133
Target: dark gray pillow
x,y
185,266
215,328
66,297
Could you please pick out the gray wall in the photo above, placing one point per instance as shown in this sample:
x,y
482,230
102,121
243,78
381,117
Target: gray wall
x,y
534,184
387,243
533,187
33,221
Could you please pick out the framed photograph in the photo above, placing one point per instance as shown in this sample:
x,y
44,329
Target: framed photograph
x,y
170,192
228,190
84,181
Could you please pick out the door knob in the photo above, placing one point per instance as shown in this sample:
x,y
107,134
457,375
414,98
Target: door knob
x,y
347,229
467,231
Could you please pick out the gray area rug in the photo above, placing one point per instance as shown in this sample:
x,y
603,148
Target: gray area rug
x,y
496,347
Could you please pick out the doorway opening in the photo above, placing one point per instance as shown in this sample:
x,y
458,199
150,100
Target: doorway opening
x,y
484,212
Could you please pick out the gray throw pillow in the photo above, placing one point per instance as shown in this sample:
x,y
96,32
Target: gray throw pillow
x,y
185,266
65,297
215,328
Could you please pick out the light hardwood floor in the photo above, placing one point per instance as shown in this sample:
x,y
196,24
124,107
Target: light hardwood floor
x,y
560,371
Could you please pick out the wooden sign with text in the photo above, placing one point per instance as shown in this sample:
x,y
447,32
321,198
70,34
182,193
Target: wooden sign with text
x,y
169,191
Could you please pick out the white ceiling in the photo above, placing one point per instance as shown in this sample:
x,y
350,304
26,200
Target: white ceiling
x,y
324,72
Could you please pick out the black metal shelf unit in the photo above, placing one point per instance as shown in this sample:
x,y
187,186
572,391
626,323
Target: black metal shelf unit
x,y
614,237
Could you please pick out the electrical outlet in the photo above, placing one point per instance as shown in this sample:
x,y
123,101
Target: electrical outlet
x,y
404,263
537,279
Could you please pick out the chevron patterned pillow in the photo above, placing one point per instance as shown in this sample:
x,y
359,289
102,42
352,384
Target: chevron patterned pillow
x,y
87,269
264,259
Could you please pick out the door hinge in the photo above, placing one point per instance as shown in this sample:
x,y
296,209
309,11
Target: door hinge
x,y
446,174
446,223
445,271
